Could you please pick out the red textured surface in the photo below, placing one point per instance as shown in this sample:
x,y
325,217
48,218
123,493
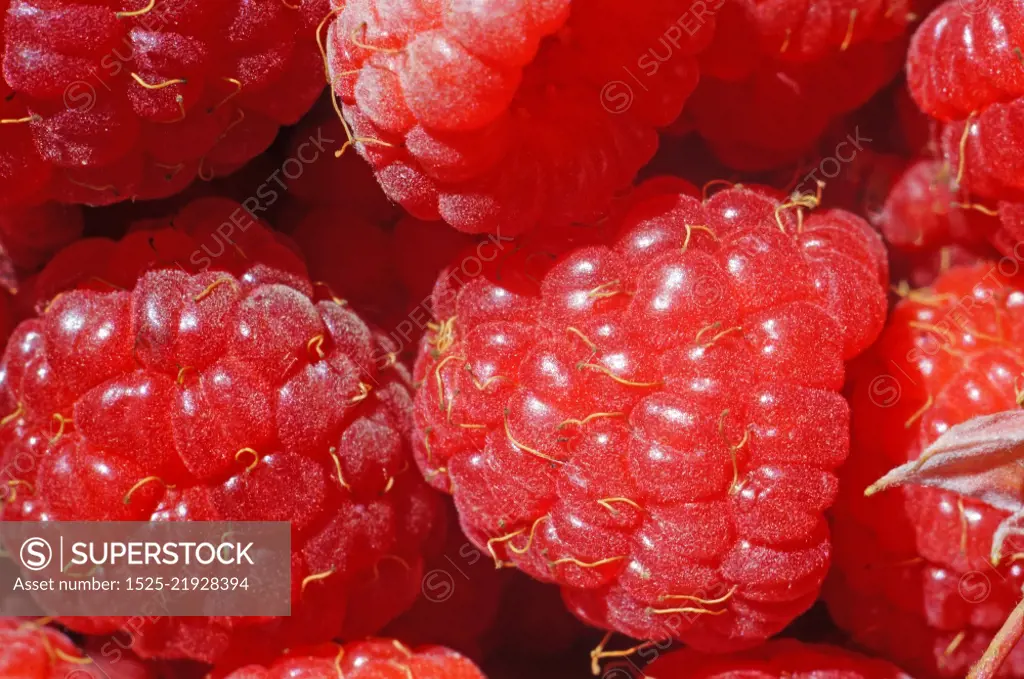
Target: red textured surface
x,y
923,212
784,659
633,370
31,236
168,353
499,116
912,580
96,135
374,659
965,68
28,651
932,226
962,58
779,71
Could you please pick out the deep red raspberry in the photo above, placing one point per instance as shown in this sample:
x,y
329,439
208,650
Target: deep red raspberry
x,y
215,367
548,668
28,238
920,269
779,71
104,102
930,227
31,236
638,417
782,659
912,580
30,651
374,659
922,211
964,68
499,116
862,185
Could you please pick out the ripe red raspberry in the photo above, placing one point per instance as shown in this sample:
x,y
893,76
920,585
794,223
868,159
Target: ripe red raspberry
x,y
922,211
106,102
912,579
30,236
637,417
373,659
212,380
782,659
31,651
931,228
778,72
976,42
964,68
499,116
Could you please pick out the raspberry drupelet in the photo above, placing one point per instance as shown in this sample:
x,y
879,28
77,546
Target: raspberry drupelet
x,y
912,579
372,659
499,116
648,414
965,68
174,376
782,659
107,101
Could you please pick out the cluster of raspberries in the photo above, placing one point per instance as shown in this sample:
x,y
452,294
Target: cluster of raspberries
x,y
674,338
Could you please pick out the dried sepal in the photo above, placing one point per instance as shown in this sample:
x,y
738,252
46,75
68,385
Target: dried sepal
x,y
982,458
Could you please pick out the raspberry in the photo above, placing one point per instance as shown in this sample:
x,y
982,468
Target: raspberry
x,y
373,659
498,116
920,269
134,99
268,389
29,651
863,184
972,73
912,579
608,412
782,659
962,68
922,212
31,236
778,72
930,228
